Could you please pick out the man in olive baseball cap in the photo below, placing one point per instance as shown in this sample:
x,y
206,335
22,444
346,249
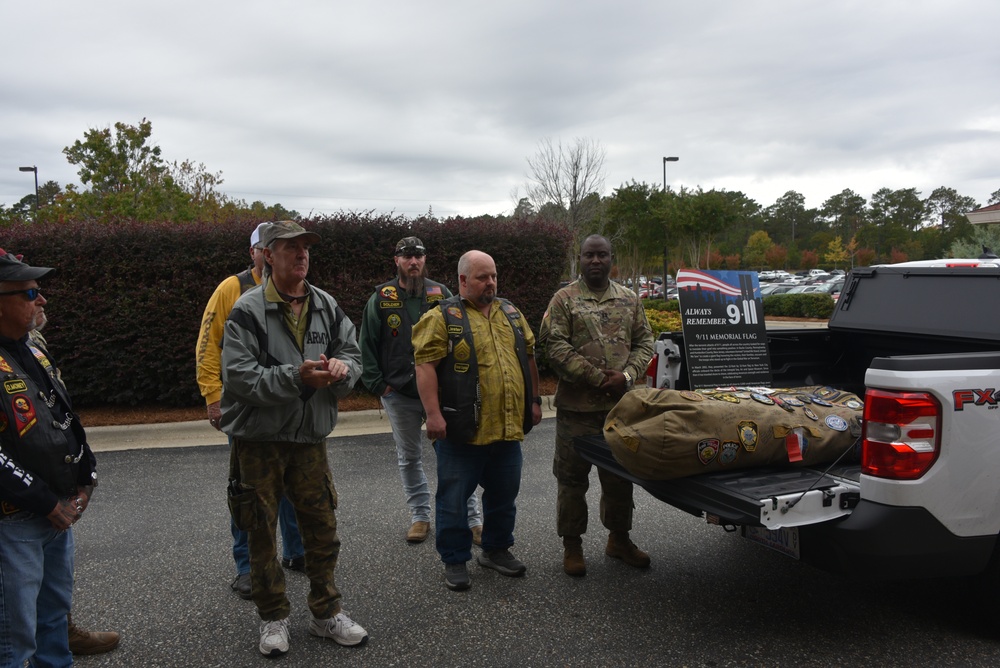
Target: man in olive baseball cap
x,y
286,229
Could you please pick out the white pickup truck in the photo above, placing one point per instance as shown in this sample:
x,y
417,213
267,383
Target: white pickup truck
x,y
921,342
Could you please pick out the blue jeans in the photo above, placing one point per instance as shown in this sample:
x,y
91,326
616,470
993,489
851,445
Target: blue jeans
x,y
406,415
461,467
36,588
291,541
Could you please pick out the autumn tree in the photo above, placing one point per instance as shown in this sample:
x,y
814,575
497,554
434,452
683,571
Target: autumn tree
x,y
755,252
810,260
776,257
836,254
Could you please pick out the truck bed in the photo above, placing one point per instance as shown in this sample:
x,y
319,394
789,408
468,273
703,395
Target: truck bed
x,y
745,497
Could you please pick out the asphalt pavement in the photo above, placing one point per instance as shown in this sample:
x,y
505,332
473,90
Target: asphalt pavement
x,y
153,562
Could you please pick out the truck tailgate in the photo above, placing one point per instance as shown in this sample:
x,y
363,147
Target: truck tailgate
x,y
766,497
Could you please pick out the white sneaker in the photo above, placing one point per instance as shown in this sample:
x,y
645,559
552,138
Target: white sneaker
x,y
274,637
341,629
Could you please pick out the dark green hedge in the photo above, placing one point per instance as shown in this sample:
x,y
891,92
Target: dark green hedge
x,y
799,306
126,303
670,305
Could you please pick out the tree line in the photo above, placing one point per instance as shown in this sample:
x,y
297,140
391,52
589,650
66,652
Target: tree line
x,y
126,178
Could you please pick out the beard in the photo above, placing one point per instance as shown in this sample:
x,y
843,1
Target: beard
x,y
414,285
485,298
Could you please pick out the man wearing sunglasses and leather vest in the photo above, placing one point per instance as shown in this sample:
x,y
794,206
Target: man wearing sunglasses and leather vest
x,y
47,478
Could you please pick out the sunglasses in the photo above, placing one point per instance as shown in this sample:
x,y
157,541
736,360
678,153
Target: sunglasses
x,y
31,294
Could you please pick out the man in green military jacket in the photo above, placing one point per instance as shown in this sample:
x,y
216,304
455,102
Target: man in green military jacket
x,y
598,341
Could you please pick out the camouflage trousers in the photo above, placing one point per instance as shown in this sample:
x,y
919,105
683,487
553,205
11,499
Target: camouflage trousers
x,y
573,475
299,471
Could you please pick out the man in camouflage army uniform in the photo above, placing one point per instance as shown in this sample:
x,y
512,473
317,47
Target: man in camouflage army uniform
x,y
598,341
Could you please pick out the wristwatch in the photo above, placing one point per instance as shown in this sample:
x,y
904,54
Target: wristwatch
x,y
629,380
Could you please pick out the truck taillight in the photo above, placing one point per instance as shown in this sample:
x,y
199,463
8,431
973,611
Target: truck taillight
x,y
651,371
901,434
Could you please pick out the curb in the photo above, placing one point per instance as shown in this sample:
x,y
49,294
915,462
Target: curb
x,y
198,432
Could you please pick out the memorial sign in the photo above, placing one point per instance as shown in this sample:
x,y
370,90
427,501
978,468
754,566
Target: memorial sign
x,y
725,337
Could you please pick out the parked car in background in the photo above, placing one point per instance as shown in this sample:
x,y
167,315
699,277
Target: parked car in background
x,y
774,289
651,291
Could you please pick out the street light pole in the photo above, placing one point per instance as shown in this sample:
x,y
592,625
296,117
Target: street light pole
x,y
666,262
34,168
665,161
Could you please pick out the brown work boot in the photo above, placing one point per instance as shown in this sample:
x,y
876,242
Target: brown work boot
x,y
90,642
573,562
418,532
620,547
477,535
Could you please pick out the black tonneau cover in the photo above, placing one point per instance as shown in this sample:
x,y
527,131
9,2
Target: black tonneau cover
x,y
916,301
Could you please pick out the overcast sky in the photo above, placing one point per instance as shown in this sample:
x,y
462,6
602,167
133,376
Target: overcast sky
x,y
401,105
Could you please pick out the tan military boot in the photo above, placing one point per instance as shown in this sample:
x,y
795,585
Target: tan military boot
x,y
418,532
620,547
573,562
90,642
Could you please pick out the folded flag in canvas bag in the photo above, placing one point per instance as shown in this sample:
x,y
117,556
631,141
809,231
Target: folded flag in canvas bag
x,y
664,434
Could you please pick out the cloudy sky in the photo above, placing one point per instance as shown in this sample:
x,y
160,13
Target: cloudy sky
x,y
402,105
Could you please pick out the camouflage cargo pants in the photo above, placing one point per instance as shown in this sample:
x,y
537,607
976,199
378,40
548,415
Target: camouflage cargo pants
x,y
573,475
299,471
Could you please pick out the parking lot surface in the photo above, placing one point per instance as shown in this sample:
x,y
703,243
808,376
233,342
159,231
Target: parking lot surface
x,y
153,562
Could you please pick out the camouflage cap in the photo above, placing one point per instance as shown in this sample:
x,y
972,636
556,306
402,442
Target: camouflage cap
x,y
410,246
285,229
255,235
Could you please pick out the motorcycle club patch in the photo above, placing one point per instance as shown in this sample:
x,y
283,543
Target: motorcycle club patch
x,y
461,351
729,451
24,413
455,329
691,396
707,450
762,398
455,312
389,292
821,402
4,366
725,396
14,386
854,404
810,413
394,320
461,368
748,435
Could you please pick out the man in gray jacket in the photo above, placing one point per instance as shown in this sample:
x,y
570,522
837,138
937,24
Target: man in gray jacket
x,y
288,353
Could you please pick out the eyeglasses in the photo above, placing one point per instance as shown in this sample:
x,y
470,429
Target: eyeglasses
x,y
31,294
